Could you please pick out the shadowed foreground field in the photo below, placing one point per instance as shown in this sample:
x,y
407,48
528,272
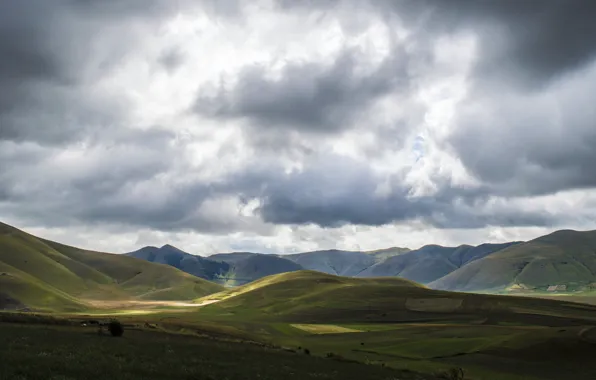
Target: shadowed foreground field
x,y
59,352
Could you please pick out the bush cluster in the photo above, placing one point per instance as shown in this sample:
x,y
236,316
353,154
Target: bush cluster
x,y
115,328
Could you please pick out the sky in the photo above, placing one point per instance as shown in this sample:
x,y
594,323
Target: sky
x,y
283,126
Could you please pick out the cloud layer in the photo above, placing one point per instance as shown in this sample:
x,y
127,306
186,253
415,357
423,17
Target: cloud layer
x,y
281,126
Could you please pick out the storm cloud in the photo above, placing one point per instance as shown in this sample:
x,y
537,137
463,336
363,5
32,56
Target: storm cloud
x,y
314,97
215,118
525,42
333,192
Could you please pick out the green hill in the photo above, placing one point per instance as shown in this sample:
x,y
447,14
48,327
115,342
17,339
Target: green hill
x,y
231,269
298,295
314,297
337,262
196,265
382,254
431,262
46,275
232,257
566,258
258,266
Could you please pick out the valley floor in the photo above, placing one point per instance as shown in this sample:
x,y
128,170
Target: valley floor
x,y
35,352
168,340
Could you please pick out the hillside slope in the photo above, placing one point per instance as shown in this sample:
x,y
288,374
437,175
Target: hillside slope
x,y
232,257
341,263
431,262
382,254
42,274
193,264
423,265
314,297
303,291
236,268
562,258
258,266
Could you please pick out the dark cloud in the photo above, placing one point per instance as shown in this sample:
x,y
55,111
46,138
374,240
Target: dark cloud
x,y
129,178
531,144
171,59
312,97
43,65
526,43
141,184
334,191
527,129
541,40
54,54
527,126
71,152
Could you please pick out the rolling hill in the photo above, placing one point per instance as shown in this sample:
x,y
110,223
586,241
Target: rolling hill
x,y
236,268
258,266
423,265
430,262
341,263
315,297
232,257
382,254
193,264
304,292
565,258
45,275
562,258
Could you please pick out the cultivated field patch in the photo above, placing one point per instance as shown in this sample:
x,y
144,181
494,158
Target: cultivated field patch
x,y
325,329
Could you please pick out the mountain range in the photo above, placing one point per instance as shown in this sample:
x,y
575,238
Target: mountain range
x,y
47,275
565,258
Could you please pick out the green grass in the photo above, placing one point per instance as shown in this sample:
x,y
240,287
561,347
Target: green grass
x,y
409,326
49,276
25,289
324,329
79,353
561,258
311,297
383,321
539,339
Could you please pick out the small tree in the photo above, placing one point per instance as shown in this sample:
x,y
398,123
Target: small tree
x,y
115,328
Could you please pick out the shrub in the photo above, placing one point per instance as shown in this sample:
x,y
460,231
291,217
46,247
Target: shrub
x,y
452,374
115,328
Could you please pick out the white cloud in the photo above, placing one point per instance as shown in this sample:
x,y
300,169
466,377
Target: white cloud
x,y
130,163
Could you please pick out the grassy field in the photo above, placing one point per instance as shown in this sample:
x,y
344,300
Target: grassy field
x,y
530,352
62,352
388,322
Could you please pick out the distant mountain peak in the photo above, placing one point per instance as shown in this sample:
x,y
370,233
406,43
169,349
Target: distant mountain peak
x,y
171,248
